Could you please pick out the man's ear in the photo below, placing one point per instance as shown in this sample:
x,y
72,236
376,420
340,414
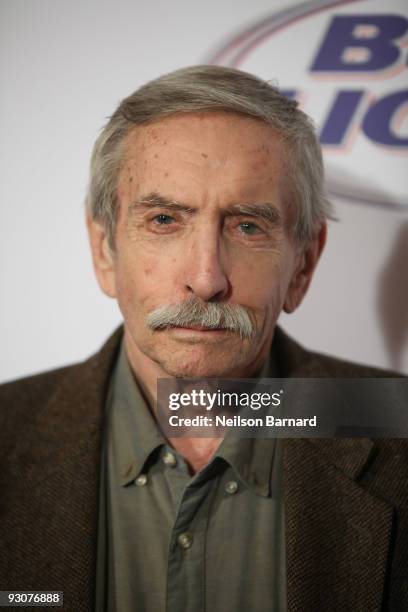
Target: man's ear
x,y
302,276
102,256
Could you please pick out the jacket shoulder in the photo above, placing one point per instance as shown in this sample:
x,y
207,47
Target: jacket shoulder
x,y
342,368
24,399
298,361
37,386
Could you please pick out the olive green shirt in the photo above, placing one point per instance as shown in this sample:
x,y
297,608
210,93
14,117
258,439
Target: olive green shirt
x,y
172,542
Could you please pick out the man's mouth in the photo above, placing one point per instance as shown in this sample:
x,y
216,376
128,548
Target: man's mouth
x,y
199,328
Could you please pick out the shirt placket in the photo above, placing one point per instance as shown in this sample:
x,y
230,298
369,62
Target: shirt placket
x,y
186,559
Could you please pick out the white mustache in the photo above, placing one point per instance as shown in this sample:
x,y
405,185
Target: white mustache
x,y
211,315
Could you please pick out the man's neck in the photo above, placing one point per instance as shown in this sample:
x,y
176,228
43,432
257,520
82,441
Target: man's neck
x,y
197,452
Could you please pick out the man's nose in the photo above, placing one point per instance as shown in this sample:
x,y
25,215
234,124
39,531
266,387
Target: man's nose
x,y
205,273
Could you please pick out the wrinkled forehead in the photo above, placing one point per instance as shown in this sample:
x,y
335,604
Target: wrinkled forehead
x,y
220,132
220,155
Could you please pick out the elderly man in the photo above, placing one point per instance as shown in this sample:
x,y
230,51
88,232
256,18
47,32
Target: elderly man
x,y
207,217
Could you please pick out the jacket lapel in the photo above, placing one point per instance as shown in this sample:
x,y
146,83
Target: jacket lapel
x,y
60,488
337,533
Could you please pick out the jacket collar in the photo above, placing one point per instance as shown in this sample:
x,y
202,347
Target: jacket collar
x,y
337,533
50,506
349,455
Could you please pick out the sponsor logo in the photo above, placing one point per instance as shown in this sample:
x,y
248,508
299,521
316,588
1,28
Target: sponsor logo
x,y
346,63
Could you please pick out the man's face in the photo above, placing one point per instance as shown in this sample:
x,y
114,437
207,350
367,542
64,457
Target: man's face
x,y
203,213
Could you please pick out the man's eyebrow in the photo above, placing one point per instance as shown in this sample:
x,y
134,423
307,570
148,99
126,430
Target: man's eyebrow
x,y
154,199
264,210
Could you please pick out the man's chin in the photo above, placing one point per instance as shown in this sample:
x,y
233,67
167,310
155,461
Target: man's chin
x,y
202,371
203,366
193,355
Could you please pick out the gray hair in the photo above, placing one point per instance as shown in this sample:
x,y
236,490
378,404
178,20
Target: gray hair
x,y
212,88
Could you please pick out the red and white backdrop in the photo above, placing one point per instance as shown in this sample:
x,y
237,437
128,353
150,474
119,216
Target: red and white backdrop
x,y
64,67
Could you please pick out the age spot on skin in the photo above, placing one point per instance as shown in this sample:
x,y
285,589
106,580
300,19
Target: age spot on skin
x,y
204,155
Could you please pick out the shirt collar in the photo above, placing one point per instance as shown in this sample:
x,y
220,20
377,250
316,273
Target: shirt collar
x,y
252,461
135,433
252,458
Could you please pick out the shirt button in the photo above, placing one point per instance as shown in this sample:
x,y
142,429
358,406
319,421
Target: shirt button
x,y
141,480
185,540
169,459
231,487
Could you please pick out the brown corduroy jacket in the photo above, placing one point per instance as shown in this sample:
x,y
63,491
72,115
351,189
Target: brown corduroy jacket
x,y
346,500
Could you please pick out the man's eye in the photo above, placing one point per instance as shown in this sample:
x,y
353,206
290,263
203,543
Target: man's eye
x,y
163,219
249,228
